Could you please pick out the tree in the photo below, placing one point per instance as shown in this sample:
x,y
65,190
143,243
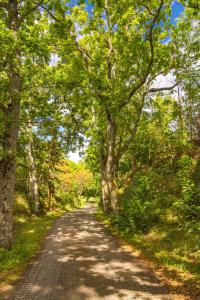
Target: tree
x,y
121,49
17,24
10,115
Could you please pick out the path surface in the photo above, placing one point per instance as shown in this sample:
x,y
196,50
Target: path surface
x,y
82,260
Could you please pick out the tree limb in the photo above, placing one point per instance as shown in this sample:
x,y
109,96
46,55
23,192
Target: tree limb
x,y
134,130
3,5
154,77
169,88
110,66
151,60
151,40
28,12
47,10
149,11
85,55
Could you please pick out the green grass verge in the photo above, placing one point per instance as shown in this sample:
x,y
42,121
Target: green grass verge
x,y
28,234
177,252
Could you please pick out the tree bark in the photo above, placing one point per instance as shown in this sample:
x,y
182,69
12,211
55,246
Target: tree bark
x,y
7,174
10,133
105,191
35,204
110,167
51,190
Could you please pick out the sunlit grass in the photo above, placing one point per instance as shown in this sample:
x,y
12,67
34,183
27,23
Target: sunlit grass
x,y
169,247
29,231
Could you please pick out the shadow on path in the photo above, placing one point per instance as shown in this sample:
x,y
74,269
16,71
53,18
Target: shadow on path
x,y
81,260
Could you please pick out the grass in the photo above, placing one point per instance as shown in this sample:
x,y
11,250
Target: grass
x,y
29,232
174,252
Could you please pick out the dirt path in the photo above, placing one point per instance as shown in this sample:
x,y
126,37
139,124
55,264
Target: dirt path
x,y
81,260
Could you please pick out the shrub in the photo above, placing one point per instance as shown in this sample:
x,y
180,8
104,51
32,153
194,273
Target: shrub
x,y
138,206
188,206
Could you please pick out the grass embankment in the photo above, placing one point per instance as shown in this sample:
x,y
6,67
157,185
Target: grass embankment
x,y
173,253
29,232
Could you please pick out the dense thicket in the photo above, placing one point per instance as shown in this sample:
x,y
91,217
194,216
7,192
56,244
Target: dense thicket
x,y
89,73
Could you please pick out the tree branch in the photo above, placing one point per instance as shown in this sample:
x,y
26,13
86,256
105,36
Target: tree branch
x,y
85,55
47,10
110,66
149,11
169,88
134,130
151,60
28,12
4,5
154,77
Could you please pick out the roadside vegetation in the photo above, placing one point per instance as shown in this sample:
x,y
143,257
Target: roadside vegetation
x,y
171,252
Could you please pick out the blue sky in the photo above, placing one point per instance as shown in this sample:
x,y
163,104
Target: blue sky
x,y
177,9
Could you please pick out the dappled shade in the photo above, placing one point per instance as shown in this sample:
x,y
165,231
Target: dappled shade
x,y
82,260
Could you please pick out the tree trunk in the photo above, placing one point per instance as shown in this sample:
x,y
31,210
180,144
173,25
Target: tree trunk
x,y
180,116
7,174
104,186
51,191
9,136
110,167
114,196
105,193
36,207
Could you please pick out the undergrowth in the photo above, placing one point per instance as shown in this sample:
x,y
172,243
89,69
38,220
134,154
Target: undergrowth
x,y
28,234
169,247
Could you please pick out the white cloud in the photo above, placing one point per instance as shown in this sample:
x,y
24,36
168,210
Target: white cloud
x,y
54,59
74,156
164,81
167,81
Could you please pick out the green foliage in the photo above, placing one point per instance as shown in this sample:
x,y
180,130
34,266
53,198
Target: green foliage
x,y
176,251
139,210
74,184
188,205
186,167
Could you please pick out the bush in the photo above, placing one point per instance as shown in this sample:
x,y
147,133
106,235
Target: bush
x,y
138,206
188,206
136,215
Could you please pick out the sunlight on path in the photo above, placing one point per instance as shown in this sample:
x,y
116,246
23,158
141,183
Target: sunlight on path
x,y
81,260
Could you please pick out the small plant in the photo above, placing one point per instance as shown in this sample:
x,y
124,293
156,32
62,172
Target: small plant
x,y
188,206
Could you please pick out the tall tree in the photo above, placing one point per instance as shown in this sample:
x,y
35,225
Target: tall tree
x,y
17,23
121,48
10,109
